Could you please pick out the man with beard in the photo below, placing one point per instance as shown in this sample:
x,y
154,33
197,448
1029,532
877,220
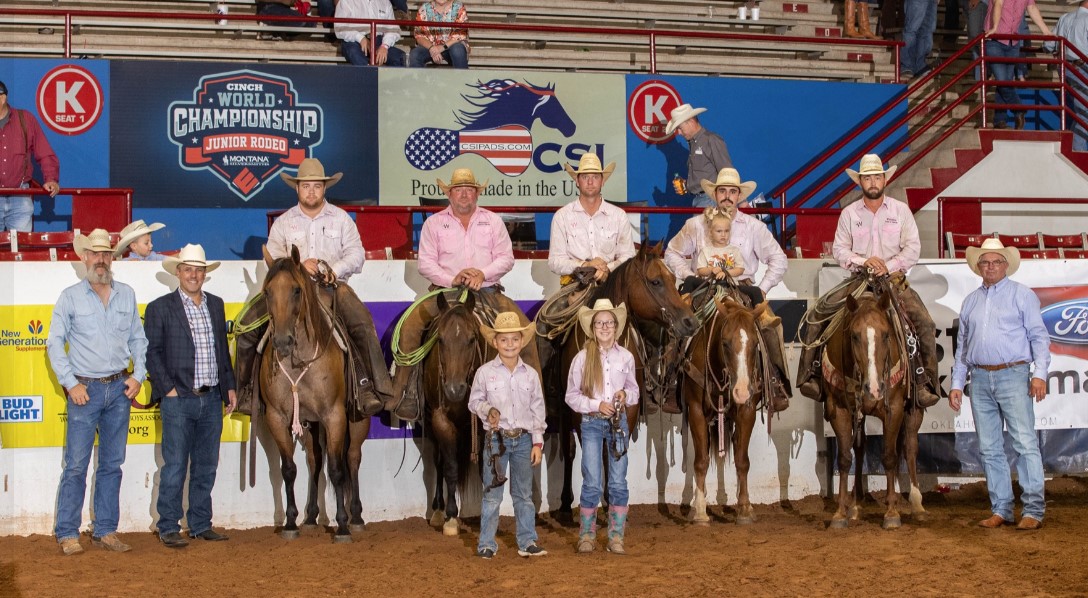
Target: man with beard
x,y
877,234
100,323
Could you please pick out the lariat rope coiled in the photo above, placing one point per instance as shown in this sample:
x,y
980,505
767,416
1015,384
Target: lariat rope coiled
x,y
411,358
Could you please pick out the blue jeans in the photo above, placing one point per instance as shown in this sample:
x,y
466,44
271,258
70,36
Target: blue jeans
x,y
191,427
1080,134
702,200
518,451
920,22
1002,71
595,434
455,55
356,53
997,397
106,413
17,212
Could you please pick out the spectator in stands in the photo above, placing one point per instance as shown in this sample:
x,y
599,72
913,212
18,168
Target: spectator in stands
x,y
1005,346
1004,18
292,8
99,322
707,152
441,45
355,37
1073,26
137,237
859,27
21,139
920,23
976,25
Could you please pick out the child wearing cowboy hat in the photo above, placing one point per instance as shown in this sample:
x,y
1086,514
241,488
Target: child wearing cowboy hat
x,y
600,386
137,238
507,397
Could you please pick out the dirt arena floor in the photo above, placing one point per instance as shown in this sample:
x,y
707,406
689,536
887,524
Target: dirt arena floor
x,y
788,552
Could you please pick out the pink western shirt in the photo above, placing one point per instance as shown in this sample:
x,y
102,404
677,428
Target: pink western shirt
x,y
756,243
517,395
578,237
619,374
890,234
447,247
330,236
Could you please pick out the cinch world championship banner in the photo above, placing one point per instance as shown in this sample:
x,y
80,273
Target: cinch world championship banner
x,y
515,131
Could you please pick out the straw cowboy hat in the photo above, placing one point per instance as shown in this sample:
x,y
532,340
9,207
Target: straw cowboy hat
x,y
192,255
729,177
870,164
462,177
680,115
590,164
98,240
585,315
311,170
1011,255
134,231
508,321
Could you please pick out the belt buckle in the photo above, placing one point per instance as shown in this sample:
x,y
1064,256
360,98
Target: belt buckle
x,y
515,433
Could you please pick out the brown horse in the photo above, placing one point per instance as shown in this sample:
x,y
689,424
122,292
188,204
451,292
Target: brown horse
x,y
866,372
302,380
723,382
447,373
654,308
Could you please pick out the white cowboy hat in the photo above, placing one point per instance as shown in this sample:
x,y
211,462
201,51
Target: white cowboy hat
x,y
585,315
729,177
462,177
98,240
680,115
310,169
1011,255
870,164
192,255
134,231
590,164
508,321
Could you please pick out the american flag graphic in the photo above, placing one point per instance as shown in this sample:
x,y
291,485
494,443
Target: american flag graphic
x,y
508,148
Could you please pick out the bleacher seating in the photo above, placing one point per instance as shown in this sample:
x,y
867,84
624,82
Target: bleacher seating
x,y
1032,241
1079,254
1065,241
955,244
1040,254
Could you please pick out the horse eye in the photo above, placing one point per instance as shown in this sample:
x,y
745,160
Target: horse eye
x,y
655,282
297,291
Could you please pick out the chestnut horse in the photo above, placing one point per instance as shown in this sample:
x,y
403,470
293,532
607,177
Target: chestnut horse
x,y
302,380
654,309
866,372
722,382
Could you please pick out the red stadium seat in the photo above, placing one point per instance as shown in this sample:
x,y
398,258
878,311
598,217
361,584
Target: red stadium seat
x,y
1079,254
5,240
1065,241
530,254
1040,254
1032,241
46,239
32,255
955,244
388,253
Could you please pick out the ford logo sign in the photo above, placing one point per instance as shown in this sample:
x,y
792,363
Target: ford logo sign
x,y
1067,322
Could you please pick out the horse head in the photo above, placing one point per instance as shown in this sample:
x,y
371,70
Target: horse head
x,y
872,344
508,102
457,346
648,288
291,301
737,349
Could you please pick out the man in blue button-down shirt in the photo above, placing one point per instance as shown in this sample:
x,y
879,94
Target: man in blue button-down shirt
x,y
99,320
1005,346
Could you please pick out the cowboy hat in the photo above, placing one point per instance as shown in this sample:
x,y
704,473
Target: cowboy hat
x,y
1011,255
680,115
134,231
508,321
585,315
590,164
98,240
870,164
729,177
192,255
310,169
462,177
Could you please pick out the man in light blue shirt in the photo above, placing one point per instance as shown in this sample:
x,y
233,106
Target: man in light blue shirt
x,y
99,320
1004,345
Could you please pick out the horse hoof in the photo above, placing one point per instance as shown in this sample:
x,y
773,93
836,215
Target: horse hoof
x,y
289,534
920,517
839,523
451,528
437,518
358,528
341,539
308,527
701,521
746,520
892,523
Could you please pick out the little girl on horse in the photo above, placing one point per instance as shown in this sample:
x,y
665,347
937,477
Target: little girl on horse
x,y
718,258
600,386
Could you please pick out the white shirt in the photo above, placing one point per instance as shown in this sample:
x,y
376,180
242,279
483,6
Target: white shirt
x,y
757,245
366,9
331,236
517,395
578,237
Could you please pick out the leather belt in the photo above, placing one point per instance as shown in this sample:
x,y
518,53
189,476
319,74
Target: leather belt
x,y
515,433
1002,366
597,415
103,380
203,390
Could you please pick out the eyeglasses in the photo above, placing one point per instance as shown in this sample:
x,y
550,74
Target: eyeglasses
x,y
991,264
608,324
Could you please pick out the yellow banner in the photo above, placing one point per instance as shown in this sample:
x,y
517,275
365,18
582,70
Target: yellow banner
x,y
33,405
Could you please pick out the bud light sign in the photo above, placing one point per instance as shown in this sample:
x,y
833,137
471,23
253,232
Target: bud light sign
x,y
1067,322
15,410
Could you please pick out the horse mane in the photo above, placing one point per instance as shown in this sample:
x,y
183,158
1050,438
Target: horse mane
x,y
487,93
311,310
646,253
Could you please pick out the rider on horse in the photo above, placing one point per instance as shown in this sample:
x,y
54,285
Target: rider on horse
x,y
757,245
464,245
878,235
331,251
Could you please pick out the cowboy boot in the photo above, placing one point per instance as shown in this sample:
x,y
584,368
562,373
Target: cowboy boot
x,y
863,21
617,524
770,328
849,11
245,357
408,408
808,383
928,395
587,535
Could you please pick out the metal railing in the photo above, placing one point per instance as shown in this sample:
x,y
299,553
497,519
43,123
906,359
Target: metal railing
x,y
969,212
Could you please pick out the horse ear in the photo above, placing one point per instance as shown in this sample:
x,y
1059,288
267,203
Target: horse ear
x,y
295,257
470,301
851,303
443,305
267,256
759,310
885,300
659,249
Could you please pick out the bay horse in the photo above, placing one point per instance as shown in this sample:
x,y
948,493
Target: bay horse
x,y
723,381
866,372
654,309
447,373
302,380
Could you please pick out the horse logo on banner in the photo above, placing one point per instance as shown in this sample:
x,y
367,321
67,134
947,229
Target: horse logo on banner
x,y
244,127
499,130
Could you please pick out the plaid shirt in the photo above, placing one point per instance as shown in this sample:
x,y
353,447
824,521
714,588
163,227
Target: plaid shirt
x,y
200,324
